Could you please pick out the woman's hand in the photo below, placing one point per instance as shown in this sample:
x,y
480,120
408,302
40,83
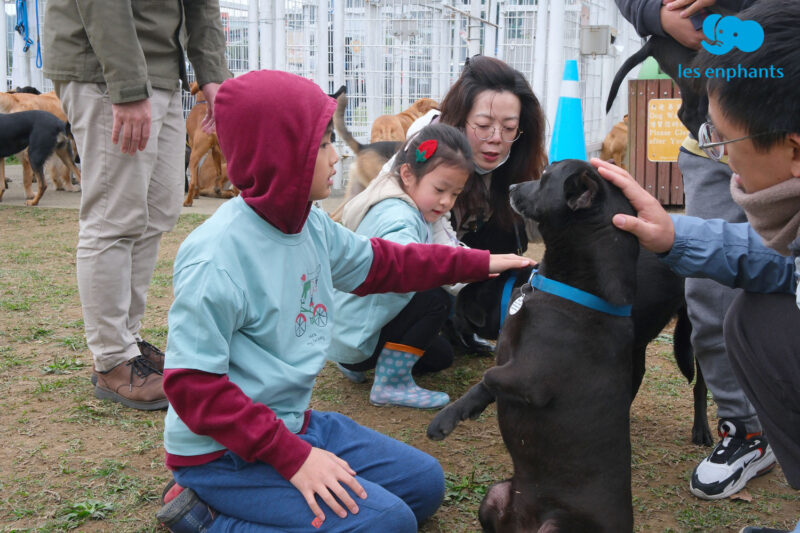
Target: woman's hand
x,y
651,225
502,262
323,474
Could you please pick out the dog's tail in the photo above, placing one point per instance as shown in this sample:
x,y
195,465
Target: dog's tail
x,y
682,345
627,66
339,124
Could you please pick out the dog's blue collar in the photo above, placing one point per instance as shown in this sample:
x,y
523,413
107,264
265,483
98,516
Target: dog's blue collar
x,y
507,288
578,296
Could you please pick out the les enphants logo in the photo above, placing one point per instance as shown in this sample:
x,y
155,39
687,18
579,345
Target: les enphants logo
x,y
724,34
727,33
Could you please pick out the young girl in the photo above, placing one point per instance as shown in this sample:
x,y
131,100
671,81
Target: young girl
x,y
394,333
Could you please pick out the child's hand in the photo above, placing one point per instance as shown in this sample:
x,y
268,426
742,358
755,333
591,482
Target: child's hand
x,y
502,262
651,225
323,473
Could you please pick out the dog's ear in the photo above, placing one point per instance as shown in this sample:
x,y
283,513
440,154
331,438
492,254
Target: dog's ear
x,y
476,314
580,190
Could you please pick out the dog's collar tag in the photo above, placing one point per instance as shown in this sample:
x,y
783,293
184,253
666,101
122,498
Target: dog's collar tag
x,y
578,296
516,305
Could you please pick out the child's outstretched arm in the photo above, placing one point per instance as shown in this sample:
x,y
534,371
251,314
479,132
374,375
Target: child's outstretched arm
x,y
419,267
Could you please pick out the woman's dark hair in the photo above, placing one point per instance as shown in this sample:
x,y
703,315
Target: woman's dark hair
x,y
760,90
452,150
527,158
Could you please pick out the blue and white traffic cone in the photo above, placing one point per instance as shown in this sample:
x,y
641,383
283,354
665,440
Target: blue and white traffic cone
x,y
568,140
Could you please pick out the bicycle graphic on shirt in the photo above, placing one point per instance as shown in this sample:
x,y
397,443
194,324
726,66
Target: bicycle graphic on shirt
x,y
318,312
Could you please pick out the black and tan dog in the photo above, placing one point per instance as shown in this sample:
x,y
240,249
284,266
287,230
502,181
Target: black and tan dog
x,y
43,134
563,377
370,158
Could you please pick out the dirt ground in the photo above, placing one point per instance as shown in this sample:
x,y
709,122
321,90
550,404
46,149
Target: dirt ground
x,y
71,462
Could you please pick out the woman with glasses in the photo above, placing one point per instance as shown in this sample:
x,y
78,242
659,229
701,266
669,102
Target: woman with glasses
x,y
495,107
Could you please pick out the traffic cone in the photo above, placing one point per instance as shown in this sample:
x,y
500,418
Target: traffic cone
x,y
568,141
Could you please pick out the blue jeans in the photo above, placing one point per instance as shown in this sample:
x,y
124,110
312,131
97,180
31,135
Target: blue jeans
x,y
404,485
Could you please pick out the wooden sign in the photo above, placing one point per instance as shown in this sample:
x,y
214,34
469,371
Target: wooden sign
x,y
665,132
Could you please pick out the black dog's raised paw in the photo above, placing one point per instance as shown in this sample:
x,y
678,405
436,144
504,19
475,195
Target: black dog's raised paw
x,y
471,405
444,423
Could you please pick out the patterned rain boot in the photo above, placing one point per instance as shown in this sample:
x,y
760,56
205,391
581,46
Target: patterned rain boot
x,y
394,385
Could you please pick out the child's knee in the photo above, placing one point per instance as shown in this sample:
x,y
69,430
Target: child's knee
x,y
399,518
428,487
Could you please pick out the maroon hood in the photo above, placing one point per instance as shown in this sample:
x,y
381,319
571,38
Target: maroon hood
x,y
270,124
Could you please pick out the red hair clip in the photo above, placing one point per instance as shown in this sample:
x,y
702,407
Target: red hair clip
x,y
426,150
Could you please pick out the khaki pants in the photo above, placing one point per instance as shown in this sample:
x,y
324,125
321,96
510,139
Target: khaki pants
x,y
127,202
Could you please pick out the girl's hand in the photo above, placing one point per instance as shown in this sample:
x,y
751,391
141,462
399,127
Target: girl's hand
x,y
502,262
651,225
323,473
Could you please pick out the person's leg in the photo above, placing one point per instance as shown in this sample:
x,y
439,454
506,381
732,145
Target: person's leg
x,y
164,196
402,344
113,216
404,486
762,333
707,190
417,325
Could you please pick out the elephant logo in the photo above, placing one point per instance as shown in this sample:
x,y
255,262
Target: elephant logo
x,y
727,33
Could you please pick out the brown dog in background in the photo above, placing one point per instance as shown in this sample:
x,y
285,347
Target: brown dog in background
x,y
369,157
394,127
615,145
202,143
15,101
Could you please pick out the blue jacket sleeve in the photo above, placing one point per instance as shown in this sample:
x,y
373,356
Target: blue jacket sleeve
x,y
645,15
731,254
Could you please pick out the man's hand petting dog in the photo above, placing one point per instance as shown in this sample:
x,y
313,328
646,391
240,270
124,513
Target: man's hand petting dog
x,y
652,225
501,262
694,6
131,128
323,474
678,25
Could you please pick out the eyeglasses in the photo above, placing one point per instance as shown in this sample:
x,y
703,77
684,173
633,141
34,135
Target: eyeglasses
x,y
710,141
484,133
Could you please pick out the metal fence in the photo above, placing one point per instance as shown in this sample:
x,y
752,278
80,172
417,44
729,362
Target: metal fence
x,y
390,53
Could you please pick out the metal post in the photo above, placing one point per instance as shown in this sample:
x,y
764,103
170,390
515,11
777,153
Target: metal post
x,y
4,50
540,50
322,46
279,34
474,28
252,35
555,60
375,68
490,33
338,43
266,26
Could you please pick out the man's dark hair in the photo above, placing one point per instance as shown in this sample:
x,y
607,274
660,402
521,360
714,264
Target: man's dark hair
x,y
769,99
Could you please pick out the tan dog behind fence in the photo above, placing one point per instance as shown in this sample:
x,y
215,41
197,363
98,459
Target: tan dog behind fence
x,y
615,145
394,127
202,143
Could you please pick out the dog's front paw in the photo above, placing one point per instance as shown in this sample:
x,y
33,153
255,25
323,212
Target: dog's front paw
x,y
444,423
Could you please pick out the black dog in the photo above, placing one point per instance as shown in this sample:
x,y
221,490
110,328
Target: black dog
x,y
669,54
479,308
43,134
563,375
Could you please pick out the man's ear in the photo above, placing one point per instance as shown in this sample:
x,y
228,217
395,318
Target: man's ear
x,y
580,190
794,141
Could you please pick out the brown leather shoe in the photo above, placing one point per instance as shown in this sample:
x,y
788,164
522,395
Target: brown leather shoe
x,y
150,352
153,354
135,384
